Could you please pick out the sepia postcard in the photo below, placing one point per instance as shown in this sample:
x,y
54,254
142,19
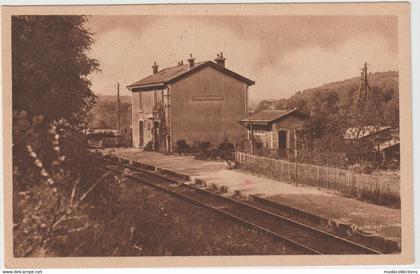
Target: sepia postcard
x,y
207,135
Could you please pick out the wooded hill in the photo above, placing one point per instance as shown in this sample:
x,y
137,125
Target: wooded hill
x,y
105,112
334,108
113,98
382,80
345,91
339,96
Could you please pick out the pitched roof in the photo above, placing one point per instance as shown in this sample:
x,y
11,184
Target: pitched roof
x,y
268,116
355,133
387,144
172,74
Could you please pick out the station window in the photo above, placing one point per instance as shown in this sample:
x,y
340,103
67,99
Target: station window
x,y
140,102
256,132
259,131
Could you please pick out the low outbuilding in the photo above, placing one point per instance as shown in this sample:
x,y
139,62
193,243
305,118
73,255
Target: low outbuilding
x,y
275,130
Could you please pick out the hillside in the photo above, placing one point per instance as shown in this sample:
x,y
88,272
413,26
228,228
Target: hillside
x,y
105,112
381,80
346,91
113,98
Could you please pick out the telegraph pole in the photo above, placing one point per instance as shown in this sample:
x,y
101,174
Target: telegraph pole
x,y
118,106
366,86
361,103
252,138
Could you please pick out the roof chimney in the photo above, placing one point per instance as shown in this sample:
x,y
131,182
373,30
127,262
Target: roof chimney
x,y
155,68
220,60
191,61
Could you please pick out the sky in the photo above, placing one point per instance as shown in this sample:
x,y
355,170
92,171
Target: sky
x,y
283,54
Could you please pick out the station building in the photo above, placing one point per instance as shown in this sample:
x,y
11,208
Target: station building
x,y
195,102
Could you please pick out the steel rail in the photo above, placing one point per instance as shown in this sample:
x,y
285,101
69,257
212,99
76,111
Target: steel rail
x,y
355,248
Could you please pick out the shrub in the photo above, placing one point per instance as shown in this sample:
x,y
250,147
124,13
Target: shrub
x,y
205,151
364,167
392,164
226,150
182,146
52,176
226,146
148,146
203,146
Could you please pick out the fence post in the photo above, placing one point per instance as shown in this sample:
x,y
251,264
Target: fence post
x,y
328,178
357,184
272,166
282,169
348,181
337,181
246,161
319,178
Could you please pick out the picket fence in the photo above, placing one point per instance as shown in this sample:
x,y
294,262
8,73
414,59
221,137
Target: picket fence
x,y
382,188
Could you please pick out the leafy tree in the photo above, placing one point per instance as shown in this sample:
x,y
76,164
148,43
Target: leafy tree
x,y
321,137
392,111
50,67
263,105
52,101
297,101
332,109
324,102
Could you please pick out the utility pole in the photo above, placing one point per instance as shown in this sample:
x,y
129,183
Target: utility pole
x,y
361,104
365,85
252,138
118,106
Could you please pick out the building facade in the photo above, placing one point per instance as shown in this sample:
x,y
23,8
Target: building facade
x,y
275,130
195,102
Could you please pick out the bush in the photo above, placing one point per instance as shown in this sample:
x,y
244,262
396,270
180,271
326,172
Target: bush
x,y
226,146
148,146
182,146
203,146
205,151
52,176
211,153
366,167
392,164
226,150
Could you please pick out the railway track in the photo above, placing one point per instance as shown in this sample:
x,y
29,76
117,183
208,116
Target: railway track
x,y
306,238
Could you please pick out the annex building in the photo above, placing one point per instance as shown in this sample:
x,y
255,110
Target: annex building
x,y
275,130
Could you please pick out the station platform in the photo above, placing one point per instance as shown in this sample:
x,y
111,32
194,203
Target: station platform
x,y
352,215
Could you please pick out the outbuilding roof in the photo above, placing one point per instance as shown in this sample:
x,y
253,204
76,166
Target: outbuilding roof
x,y
354,133
388,144
173,74
268,116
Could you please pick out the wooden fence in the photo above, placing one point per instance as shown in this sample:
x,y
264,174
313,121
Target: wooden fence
x,y
380,188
